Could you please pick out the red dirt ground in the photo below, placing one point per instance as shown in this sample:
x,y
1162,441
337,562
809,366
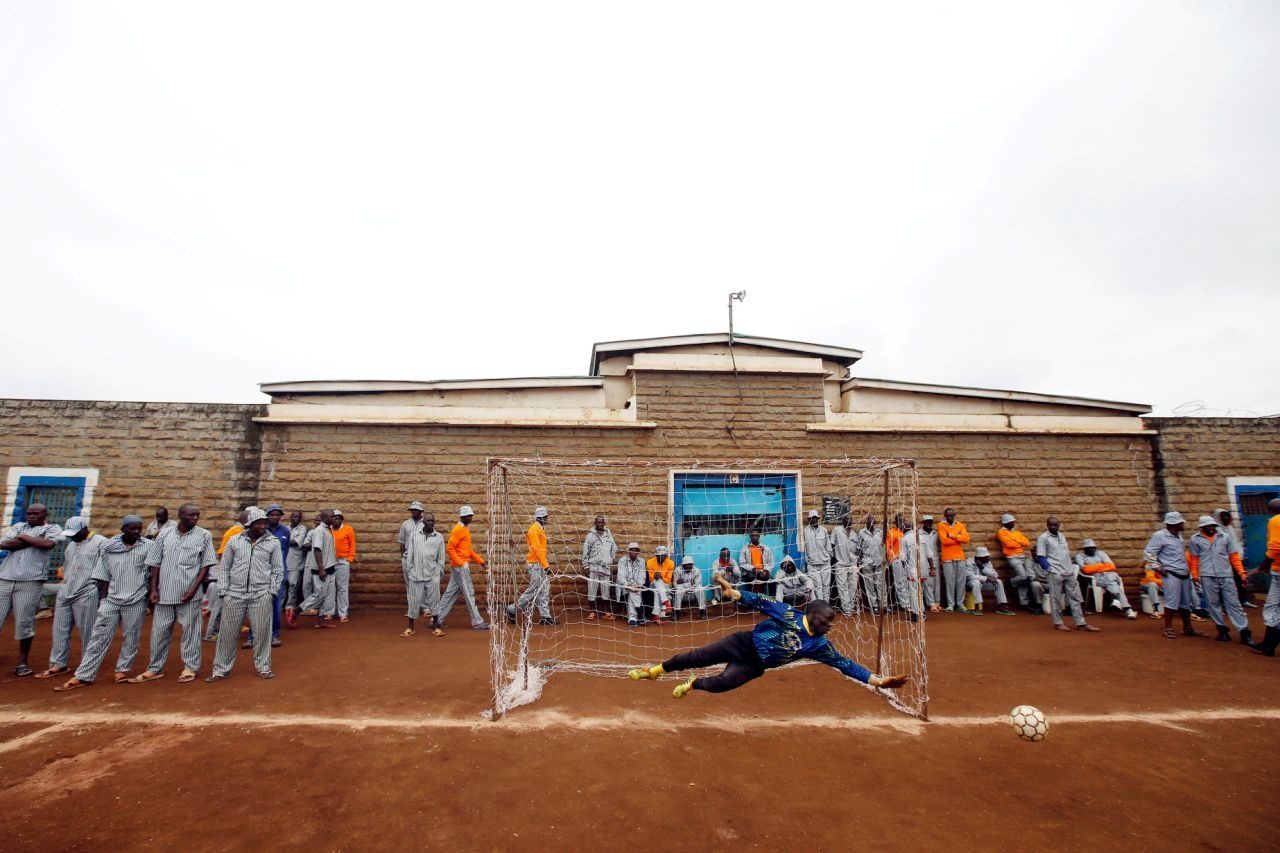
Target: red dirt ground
x,y
595,764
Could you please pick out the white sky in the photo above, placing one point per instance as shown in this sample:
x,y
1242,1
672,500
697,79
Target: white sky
x,y
1076,199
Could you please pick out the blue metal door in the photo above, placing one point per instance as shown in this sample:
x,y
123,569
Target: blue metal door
x,y
714,511
1252,503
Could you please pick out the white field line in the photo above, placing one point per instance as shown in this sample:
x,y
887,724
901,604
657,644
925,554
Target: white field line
x,y
32,737
523,721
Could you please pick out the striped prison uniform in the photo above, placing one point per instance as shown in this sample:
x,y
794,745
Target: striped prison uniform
x,y
22,577
251,573
124,570
77,601
179,559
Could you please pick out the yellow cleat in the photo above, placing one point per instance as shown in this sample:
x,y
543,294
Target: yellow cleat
x,y
682,689
644,673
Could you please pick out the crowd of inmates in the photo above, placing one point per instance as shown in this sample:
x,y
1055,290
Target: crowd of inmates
x,y
265,574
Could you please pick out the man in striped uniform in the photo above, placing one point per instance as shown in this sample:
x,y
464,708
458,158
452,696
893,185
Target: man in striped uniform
x,y
407,529
161,524
120,577
844,544
281,534
320,603
23,574
214,606
77,602
179,561
817,555
251,572
536,561
1271,563
929,565
295,564
461,555
599,550
1214,557
870,551
1166,554
424,566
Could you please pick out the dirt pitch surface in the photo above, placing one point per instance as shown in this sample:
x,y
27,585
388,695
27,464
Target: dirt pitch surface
x,y
368,741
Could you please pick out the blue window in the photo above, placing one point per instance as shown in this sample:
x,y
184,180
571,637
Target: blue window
x,y
714,511
64,497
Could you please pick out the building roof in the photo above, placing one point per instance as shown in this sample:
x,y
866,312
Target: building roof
x,y
605,349
991,394
363,386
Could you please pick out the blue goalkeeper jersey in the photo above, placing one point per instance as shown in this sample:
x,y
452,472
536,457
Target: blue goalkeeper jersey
x,y
784,637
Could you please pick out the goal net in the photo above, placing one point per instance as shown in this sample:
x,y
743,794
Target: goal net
x,y
697,510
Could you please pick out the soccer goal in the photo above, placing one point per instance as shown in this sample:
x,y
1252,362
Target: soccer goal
x,y
693,509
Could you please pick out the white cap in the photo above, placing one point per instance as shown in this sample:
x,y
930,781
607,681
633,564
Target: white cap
x,y
465,510
926,518
1006,518
74,525
1088,543
661,550
634,546
417,505
981,551
687,561
256,514
540,512
813,513
1206,521
1173,518
336,512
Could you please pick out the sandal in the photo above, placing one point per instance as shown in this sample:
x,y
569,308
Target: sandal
x,y
408,632
1153,615
1168,634
436,632
145,676
22,670
214,678
187,676
51,672
591,617
120,678
1192,632
72,684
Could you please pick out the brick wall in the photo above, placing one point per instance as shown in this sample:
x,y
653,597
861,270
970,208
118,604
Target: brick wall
x,y
1197,455
147,454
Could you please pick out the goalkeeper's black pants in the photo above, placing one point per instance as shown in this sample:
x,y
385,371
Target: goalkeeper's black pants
x,y
736,650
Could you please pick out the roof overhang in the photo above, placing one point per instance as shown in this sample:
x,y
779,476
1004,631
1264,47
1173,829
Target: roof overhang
x,y
365,386
992,394
605,349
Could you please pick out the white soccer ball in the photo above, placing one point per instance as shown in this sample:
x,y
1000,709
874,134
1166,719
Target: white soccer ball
x,y
1029,723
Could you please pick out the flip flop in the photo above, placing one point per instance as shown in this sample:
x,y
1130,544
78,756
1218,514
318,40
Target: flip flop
x,y
187,676
72,684
22,670
267,674
211,679
51,672
408,632
1168,634
121,678
145,676
436,632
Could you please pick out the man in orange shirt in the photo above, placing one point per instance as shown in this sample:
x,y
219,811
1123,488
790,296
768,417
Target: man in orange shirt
x,y
1271,609
661,570
1026,577
539,591
952,537
344,547
461,556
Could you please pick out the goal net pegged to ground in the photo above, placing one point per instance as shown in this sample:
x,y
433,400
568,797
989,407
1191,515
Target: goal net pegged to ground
x,y
696,510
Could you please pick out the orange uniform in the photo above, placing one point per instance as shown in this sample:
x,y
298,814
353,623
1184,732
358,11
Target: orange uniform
x,y
1012,542
536,536
459,549
1152,576
233,530
952,538
665,570
344,543
894,544
1273,543
1193,561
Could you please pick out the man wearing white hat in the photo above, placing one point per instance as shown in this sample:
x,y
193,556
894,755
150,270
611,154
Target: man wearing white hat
x,y
538,564
817,555
1214,557
631,582
870,550
424,562
1095,563
598,553
249,578
1027,579
792,587
407,528
928,564
77,601
1053,555
661,571
982,577
344,549
688,582
461,556
1166,554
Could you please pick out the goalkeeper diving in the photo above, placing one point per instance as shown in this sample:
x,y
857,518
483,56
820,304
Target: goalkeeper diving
x,y
787,635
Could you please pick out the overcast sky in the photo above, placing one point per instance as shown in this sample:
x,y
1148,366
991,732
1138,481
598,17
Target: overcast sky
x,y
1077,199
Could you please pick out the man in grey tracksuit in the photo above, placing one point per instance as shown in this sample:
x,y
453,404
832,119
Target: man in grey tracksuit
x,y
424,566
631,578
1212,553
1054,556
598,553
844,546
121,580
249,576
817,556
77,601
870,551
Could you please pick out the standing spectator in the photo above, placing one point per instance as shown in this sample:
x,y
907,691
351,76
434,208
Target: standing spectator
x,y
1054,557
1026,577
631,582
252,570
461,556
536,562
295,565
1223,517
870,550
598,553
214,607
688,582
407,528
178,562
952,537
1214,558
77,601
1095,563
1271,563
844,553
817,555
424,566
161,523
929,565
280,533
661,571
902,564
23,574
344,546
1166,554
320,603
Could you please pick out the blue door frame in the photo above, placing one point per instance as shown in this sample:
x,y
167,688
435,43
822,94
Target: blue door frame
x,y
740,499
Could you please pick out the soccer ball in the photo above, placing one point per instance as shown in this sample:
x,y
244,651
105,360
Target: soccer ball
x,y
1029,723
